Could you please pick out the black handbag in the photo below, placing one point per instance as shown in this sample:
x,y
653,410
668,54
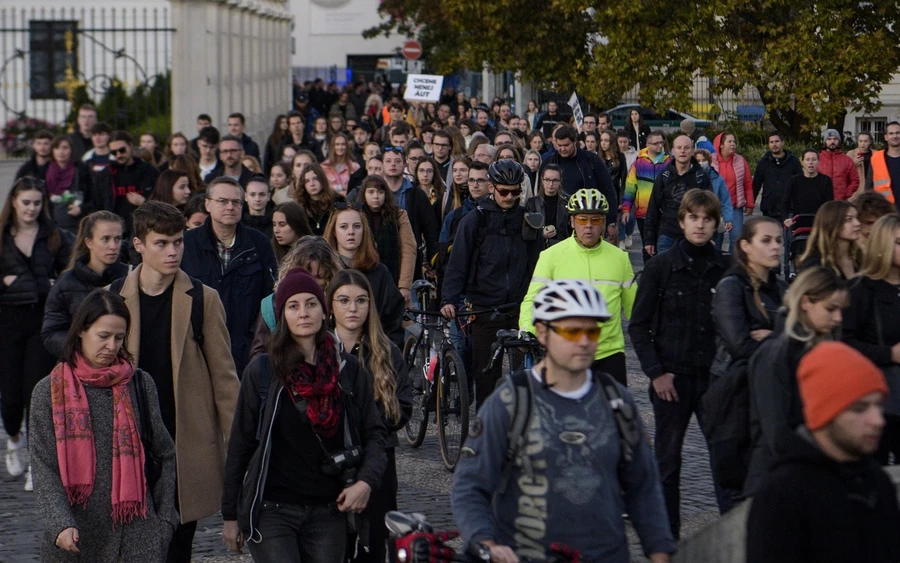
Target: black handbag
x,y
891,375
152,464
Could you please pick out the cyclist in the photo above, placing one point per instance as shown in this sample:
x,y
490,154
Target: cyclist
x,y
586,256
494,253
566,479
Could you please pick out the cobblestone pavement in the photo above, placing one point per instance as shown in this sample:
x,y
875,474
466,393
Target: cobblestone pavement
x,y
424,487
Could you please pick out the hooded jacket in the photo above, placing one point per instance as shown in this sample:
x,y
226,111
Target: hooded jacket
x,y
736,173
639,183
813,509
665,199
772,176
842,171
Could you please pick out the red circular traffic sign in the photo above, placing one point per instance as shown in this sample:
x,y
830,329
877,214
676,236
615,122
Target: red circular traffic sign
x,y
412,50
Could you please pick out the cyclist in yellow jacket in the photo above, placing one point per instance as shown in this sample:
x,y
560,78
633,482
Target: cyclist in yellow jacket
x,y
586,256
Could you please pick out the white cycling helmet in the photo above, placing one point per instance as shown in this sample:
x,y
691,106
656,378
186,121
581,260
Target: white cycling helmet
x,y
563,299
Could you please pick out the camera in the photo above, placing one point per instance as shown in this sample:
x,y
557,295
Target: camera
x,y
344,465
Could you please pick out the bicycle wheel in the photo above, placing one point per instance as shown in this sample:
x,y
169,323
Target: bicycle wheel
x,y
452,408
414,354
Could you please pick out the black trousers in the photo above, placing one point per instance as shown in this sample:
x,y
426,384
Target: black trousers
x,y
23,362
889,447
383,500
613,365
640,224
483,332
182,543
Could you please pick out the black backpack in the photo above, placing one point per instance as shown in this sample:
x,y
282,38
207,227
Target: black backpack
x,y
625,415
726,423
196,293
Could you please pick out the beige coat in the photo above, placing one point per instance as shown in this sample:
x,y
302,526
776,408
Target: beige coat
x,y
206,390
408,250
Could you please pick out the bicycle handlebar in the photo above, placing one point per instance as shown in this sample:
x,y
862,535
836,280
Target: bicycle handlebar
x,y
499,310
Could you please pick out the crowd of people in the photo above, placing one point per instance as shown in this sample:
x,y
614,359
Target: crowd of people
x,y
214,324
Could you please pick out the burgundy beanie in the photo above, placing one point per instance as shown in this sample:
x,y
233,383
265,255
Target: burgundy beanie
x,y
297,281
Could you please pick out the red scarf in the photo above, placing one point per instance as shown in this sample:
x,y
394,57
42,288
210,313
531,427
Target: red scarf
x,y
75,438
320,389
59,179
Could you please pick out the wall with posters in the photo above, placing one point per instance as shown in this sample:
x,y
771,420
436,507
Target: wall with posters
x,y
327,31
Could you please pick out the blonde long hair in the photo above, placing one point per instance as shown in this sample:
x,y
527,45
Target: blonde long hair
x,y
384,382
878,259
825,235
816,284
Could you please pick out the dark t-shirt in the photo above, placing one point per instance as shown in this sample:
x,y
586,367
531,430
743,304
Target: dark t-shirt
x,y
98,162
893,166
155,355
551,202
295,468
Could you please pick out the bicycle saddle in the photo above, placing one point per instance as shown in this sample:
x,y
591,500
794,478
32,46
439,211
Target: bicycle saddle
x,y
400,524
420,284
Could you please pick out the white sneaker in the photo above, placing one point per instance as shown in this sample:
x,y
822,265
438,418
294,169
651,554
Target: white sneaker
x,y
29,482
628,242
13,458
621,245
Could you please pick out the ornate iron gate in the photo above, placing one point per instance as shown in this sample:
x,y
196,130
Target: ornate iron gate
x,y
54,60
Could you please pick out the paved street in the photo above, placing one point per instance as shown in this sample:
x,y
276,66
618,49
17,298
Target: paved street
x,y
424,483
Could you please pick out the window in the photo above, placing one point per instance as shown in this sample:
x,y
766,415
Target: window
x,y
875,126
50,56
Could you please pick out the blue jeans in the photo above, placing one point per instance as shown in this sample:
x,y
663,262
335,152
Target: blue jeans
x,y
737,224
663,243
626,229
290,532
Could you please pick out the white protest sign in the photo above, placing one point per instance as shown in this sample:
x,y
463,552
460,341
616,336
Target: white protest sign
x,y
423,87
576,110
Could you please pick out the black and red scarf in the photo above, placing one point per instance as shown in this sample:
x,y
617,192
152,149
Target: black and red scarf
x,y
318,386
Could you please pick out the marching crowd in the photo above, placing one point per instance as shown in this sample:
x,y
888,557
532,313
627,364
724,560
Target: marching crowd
x,y
214,324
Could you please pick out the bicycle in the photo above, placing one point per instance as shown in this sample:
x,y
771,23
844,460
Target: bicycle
x,y
413,540
439,385
508,340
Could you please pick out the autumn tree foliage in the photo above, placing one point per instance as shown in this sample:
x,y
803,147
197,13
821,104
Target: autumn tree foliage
x,y
810,60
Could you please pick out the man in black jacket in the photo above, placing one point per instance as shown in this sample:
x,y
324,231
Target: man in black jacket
x,y
583,169
236,127
231,152
81,137
661,227
235,260
124,185
772,174
491,264
673,335
37,165
826,499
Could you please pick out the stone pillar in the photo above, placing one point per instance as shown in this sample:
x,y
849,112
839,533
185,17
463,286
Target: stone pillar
x,y
227,56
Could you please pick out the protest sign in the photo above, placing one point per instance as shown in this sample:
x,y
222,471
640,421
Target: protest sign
x,y
423,87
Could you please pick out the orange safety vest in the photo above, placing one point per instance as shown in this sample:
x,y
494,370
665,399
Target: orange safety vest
x,y
881,178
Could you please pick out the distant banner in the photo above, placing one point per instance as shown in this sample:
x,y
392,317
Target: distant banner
x,y
423,87
576,110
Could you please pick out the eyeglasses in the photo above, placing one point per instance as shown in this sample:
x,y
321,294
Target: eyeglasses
x,y
122,150
589,219
551,181
574,334
479,181
228,151
222,202
32,182
506,193
414,158
344,302
342,205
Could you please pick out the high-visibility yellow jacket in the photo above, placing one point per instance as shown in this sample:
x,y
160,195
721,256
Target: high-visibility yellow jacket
x,y
606,267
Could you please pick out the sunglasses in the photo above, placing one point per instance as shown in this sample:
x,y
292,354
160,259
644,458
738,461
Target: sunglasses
x,y
391,148
123,150
589,219
573,334
505,193
342,205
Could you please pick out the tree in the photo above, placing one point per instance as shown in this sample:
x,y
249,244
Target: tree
x,y
810,60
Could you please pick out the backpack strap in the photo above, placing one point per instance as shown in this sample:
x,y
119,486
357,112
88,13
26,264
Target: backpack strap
x,y
196,293
265,378
267,309
624,415
523,399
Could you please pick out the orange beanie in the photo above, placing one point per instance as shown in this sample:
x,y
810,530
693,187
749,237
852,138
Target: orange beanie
x,y
832,376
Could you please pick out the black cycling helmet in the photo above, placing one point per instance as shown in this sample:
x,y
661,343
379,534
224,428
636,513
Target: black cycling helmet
x,y
507,172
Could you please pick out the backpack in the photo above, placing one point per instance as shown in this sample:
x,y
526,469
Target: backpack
x,y
267,310
523,404
726,424
196,293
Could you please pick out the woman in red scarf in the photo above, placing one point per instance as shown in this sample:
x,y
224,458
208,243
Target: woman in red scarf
x,y
88,460
307,441
67,175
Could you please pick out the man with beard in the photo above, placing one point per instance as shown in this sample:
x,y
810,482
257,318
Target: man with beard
x,y
838,166
231,152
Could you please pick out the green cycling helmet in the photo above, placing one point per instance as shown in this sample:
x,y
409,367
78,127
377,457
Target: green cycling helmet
x,y
589,201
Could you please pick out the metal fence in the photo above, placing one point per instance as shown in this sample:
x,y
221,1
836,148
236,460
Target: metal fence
x,y
54,59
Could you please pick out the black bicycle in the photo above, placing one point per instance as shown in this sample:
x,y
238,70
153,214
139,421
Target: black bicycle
x,y
439,384
509,340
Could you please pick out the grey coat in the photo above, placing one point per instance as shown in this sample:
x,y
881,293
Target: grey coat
x,y
143,539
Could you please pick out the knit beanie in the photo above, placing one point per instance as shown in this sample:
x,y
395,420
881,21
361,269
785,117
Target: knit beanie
x,y
297,281
831,133
688,126
832,376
